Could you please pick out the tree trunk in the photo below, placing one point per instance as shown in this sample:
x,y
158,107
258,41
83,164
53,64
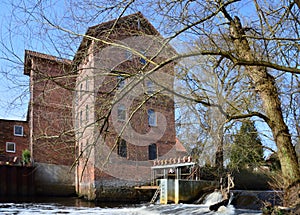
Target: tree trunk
x,y
219,160
266,88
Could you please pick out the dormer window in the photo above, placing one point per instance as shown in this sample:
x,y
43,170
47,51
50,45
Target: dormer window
x,y
18,130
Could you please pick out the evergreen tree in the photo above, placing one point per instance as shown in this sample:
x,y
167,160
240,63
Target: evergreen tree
x,y
247,148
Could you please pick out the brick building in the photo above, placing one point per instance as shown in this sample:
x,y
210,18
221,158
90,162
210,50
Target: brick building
x,y
123,111
13,140
96,123
51,134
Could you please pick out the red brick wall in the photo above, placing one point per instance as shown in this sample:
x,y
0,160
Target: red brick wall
x,y
139,122
95,175
7,135
51,106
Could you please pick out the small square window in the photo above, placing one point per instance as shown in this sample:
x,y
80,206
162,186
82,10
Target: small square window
x,y
10,147
18,130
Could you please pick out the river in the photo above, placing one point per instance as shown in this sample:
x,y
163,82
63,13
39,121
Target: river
x,y
78,206
54,208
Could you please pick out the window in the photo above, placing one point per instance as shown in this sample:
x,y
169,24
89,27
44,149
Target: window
x,y
151,117
87,113
121,112
18,130
122,148
150,86
152,151
76,98
77,121
121,82
10,147
128,55
143,59
87,84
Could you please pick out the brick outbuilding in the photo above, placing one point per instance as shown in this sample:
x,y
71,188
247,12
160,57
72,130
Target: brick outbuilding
x,y
13,140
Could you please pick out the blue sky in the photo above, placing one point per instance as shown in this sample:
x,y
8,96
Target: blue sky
x,y
13,104
20,31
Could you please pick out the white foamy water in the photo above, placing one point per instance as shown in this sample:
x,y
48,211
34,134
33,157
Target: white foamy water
x,y
65,207
47,208
213,198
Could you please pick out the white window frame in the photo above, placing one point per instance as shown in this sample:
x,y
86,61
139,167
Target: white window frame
x,y
16,134
121,112
152,117
7,146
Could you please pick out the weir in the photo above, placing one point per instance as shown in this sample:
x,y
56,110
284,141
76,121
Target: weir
x,y
178,180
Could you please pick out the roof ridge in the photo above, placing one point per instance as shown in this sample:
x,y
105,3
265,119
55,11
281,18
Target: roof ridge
x,y
93,31
47,56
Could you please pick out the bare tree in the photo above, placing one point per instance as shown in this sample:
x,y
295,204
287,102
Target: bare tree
x,y
259,49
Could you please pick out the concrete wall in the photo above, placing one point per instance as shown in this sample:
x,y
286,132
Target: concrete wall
x,y
54,180
51,125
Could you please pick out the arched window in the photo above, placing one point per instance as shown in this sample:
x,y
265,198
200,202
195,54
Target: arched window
x,y
122,148
152,149
151,117
121,112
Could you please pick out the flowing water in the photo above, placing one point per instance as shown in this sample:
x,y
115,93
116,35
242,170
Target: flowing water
x,y
75,206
